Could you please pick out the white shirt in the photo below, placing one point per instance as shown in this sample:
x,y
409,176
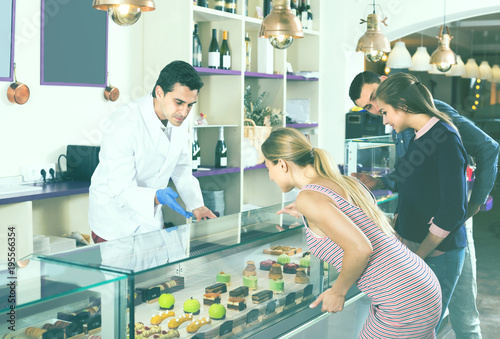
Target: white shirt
x,y
136,159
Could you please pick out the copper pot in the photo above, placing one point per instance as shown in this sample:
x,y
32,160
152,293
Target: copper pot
x,y
111,93
18,93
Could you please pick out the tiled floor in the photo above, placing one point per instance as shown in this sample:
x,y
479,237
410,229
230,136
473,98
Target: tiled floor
x,y
487,243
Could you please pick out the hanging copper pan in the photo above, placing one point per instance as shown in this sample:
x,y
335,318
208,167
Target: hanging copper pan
x,y
18,93
111,93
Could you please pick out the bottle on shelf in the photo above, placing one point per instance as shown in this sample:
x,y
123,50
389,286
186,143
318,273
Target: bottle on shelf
x,y
309,15
196,151
213,51
303,14
231,6
221,151
196,48
248,52
220,5
293,7
202,3
267,7
225,53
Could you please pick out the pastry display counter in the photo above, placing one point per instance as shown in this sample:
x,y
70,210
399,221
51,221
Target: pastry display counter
x,y
221,271
44,299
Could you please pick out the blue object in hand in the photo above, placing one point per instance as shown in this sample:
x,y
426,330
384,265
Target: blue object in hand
x,y
167,197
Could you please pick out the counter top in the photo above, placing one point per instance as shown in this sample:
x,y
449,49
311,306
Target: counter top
x,y
45,191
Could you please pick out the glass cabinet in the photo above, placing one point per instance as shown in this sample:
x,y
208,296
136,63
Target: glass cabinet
x,y
235,276
375,156
45,299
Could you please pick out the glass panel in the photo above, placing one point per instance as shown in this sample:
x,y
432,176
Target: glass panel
x,y
7,12
43,293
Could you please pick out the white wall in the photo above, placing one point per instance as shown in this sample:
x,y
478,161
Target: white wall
x,y
340,31
55,116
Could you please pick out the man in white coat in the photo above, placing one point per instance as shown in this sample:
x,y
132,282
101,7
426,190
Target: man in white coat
x,y
146,146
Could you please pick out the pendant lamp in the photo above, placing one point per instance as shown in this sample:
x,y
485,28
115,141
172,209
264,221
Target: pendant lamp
x,y
124,12
485,71
457,70
420,60
281,26
399,56
471,69
373,43
496,73
443,57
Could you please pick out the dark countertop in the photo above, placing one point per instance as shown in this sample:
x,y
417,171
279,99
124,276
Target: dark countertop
x,y
52,190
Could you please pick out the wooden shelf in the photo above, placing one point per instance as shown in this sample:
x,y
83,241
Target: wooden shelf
x,y
259,166
263,75
215,171
215,71
302,125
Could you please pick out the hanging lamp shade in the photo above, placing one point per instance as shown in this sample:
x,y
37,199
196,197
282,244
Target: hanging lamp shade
x,y
373,43
443,57
399,56
496,73
124,12
281,26
420,60
485,71
471,69
457,70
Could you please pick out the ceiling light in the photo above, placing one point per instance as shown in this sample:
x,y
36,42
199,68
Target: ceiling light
x,y
496,73
443,57
471,69
421,59
458,69
281,26
485,71
124,12
373,43
399,56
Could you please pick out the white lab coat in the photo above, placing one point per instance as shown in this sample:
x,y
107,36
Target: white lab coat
x,y
136,159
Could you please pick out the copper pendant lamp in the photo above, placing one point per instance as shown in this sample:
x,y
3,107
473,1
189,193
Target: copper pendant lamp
x,y
281,26
124,12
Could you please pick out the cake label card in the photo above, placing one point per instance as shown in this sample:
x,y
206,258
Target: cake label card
x,y
56,333
226,328
252,316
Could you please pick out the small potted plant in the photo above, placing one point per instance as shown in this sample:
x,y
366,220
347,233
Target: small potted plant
x,y
259,121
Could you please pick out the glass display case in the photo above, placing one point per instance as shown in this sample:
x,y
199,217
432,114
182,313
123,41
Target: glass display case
x,y
375,156
44,299
238,276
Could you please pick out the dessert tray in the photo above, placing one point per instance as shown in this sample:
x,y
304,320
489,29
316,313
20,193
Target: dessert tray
x,y
280,249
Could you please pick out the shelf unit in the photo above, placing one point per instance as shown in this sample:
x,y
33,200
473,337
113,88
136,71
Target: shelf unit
x,y
222,96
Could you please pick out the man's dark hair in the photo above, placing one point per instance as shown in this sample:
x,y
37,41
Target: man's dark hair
x,y
178,72
359,80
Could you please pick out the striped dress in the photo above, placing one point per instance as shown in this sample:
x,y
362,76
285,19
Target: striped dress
x,y
405,293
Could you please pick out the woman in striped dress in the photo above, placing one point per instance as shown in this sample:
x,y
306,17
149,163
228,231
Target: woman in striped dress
x,y
345,228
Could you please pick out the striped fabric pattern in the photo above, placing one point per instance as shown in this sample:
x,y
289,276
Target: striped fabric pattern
x,y
405,293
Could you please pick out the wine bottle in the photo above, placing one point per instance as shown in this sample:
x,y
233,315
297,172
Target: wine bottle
x,y
196,151
231,6
309,19
303,14
220,5
221,151
248,53
293,8
225,53
203,3
267,7
213,51
196,48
